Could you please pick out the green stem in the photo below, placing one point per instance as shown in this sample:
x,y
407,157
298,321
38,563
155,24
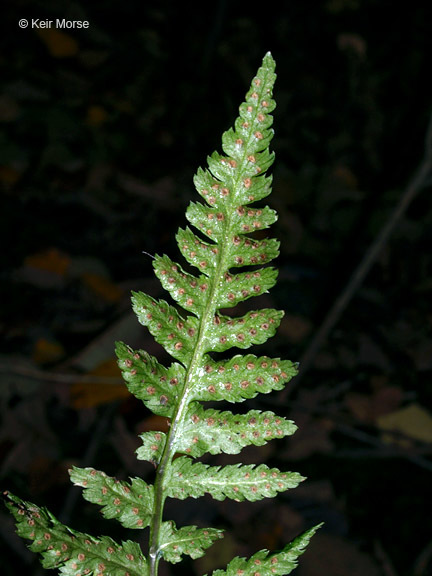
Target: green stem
x,y
205,325
169,449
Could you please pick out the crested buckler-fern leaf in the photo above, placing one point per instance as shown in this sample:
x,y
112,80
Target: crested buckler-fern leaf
x,y
188,540
226,256
74,553
131,503
238,482
264,562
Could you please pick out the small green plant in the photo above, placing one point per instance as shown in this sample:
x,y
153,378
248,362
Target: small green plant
x,y
197,338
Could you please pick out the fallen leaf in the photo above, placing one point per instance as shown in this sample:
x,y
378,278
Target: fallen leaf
x,y
386,400
153,422
59,44
369,408
359,405
96,116
51,260
9,176
413,421
46,270
103,287
87,394
345,177
47,351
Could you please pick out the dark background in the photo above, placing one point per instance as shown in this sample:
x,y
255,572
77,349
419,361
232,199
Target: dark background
x,y
101,132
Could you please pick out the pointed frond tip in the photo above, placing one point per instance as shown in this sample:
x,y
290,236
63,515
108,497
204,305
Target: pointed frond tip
x,y
227,254
263,562
269,61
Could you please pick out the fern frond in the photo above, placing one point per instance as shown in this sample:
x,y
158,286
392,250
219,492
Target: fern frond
x,y
152,447
255,327
214,431
188,540
234,380
237,482
131,503
73,552
244,285
264,562
157,386
227,259
188,290
242,377
175,333
202,255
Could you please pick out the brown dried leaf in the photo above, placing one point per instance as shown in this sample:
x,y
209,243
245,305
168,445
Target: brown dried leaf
x,y
102,287
59,44
87,394
369,408
413,421
47,351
